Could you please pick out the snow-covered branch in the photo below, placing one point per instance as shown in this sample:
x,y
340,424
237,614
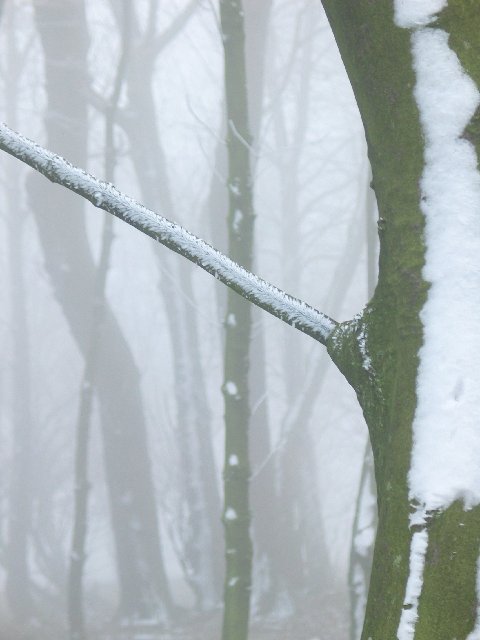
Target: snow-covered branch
x,y
105,196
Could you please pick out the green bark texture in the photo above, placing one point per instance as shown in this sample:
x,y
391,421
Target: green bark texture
x,y
377,57
236,517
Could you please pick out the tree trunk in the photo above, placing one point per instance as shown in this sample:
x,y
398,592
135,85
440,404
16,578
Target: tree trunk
x,y
76,614
263,493
199,521
143,586
236,516
423,582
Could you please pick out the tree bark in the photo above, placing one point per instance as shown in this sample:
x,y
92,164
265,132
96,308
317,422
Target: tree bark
x,y
263,492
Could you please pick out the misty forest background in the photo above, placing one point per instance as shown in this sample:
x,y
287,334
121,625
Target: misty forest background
x,y
106,334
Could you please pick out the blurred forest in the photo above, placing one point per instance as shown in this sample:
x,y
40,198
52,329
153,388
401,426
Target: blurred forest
x,y
124,366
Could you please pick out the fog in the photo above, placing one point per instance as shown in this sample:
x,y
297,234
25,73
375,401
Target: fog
x,y
139,400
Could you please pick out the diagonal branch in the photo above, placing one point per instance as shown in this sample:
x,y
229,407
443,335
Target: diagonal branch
x,y
105,196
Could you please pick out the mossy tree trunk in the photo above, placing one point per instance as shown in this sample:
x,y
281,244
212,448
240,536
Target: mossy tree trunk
x,y
378,352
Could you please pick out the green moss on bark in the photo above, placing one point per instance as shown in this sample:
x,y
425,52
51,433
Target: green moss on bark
x,y
448,604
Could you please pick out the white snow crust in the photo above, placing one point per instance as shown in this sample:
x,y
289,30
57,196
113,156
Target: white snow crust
x,y
445,463
231,388
408,618
415,13
233,460
446,450
237,220
230,514
362,343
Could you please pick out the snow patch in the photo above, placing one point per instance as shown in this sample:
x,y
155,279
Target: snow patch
x,y
446,447
231,388
417,13
408,619
233,460
237,220
419,517
231,320
230,514
362,343
235,189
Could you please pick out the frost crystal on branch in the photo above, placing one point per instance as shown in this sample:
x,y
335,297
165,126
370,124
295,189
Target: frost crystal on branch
x,y
105,196
446,446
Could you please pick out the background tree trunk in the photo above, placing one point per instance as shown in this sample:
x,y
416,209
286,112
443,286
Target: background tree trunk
x,y
236,515
143,585
76,613
199,518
